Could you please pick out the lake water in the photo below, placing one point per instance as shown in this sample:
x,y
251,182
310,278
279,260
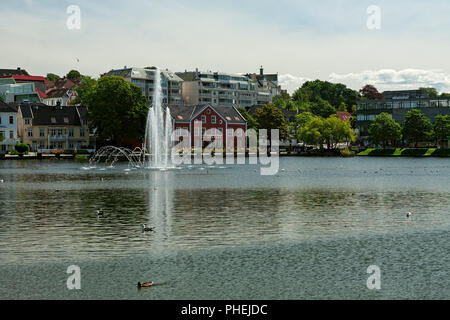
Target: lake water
x,y
226,232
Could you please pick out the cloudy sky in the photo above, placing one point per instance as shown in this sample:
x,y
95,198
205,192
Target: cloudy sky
x,y
301,40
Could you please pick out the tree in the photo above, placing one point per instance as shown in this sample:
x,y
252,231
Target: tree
x,y
432,92
270,117
370,92
322,108
52,77
22,148
117,109
442,128
251,122
303,119
74,75
384,130
417,127
331,131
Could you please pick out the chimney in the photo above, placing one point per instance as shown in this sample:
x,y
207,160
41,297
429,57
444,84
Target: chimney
x,y
261,71
18,68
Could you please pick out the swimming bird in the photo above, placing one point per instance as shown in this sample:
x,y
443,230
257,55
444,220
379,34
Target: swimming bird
x,y
100,213
144,284
408,215
1,181
145,228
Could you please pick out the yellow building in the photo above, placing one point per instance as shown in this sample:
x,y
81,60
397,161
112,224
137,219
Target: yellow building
x,y
45,128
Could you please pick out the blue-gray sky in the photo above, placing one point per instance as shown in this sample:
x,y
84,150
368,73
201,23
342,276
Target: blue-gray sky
x,y
300,40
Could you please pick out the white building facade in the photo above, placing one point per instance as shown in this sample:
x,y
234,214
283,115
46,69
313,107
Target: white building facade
x,y
8,127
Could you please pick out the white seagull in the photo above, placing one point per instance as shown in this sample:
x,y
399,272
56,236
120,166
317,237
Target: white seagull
x,y
408,215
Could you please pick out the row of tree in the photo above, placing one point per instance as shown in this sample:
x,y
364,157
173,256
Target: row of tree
x,y
417,128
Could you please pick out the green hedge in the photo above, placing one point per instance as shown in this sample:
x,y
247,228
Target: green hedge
x,y
408,152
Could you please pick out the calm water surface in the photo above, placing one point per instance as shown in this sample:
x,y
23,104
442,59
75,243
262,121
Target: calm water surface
x,y
226,232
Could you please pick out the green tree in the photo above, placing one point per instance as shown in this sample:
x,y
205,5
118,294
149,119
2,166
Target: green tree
x,y
322,108
52,77
417,127
303,119
251,122
442,128
311,132
22,148
117,109
384,130
74,75
432,92
270,117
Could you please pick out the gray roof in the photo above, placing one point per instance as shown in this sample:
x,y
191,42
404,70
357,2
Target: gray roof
x,y
42,114
5,107
187,112
57,93
11,72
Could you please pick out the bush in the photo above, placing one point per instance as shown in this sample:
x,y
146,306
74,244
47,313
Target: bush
x,y
13,153
347,153
22,148
414,152
441,153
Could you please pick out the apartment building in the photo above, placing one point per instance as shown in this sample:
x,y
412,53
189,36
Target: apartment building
x,y
397,104
8,127
226,89
216,88
145,79
45,128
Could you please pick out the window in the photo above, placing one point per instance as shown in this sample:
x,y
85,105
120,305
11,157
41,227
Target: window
x,y
27,121
41,145
53,132
53,120
81,132
220,131
66,120
208,111
70,144
71,133
230,132
213,119
239,133
203,131
41,132
30,132
220,121
11,134
204,119
196,132
11,120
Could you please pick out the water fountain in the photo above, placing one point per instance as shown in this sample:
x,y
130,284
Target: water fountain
x,y
158,130
156,150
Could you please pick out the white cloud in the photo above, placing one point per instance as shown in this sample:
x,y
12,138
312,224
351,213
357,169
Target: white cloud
x,y
390,79
291,82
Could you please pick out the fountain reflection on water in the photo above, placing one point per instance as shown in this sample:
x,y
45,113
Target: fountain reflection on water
x,y
156,150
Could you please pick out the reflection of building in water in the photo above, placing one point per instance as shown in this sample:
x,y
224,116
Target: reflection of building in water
x,y
160,203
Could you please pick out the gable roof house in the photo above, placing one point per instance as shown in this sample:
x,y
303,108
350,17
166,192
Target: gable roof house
x,y
46,128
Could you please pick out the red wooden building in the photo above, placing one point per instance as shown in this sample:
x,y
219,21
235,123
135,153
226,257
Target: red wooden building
x,y
205,123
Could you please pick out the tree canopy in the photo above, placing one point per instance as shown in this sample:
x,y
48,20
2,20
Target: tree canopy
x,y
318,131
384,130
270,117
417,127
117,108
74,75
251,122
370,92
52,77
442,127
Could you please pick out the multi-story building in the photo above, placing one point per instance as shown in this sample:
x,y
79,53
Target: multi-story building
x,y
227,89
268,86
8,127
145,79
397,104
12,72
46,128
19,92
217,88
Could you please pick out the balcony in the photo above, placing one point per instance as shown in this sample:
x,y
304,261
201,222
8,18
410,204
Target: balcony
x,y
57,138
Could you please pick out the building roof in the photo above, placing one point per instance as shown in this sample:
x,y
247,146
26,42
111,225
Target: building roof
x,y
6,107
57,93
26,78
43,114
183,113
10,72
344,115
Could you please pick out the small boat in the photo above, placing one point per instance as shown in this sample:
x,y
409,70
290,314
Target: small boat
x,y
144,284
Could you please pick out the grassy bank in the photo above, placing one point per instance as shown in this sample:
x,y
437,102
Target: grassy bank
x,y
406,152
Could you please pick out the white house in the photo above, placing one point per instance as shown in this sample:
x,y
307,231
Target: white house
x,y
8,127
